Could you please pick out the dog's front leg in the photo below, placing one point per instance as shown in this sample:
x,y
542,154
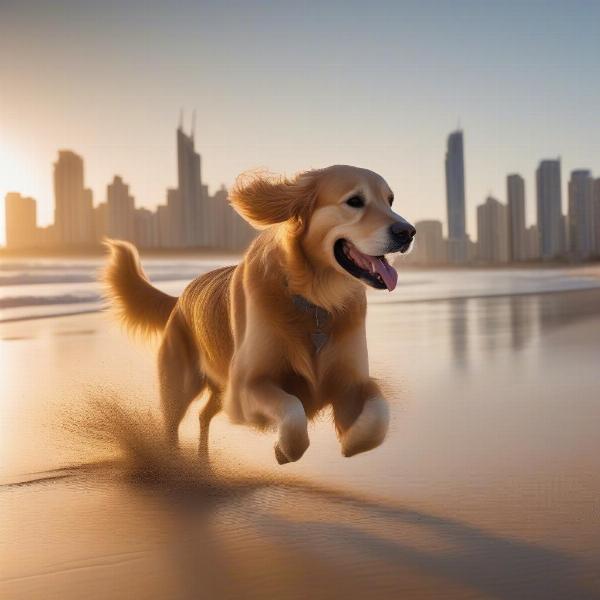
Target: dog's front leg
x,y
267,401
361,417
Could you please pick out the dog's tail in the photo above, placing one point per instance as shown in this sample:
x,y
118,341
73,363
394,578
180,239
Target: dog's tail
x,y
139,305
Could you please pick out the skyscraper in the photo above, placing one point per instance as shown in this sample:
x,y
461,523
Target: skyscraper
x,y
121,210
21,221
492,231
195,217
455,198
515,193
549,209
73,203
581,214
189,179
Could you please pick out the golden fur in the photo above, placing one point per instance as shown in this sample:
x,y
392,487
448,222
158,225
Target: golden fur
x,y
236,333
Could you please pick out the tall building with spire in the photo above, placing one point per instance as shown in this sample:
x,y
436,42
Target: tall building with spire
x,y
188,220
455,198
73,203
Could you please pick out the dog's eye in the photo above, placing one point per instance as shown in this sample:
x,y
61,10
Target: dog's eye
x,y
355,202
391,199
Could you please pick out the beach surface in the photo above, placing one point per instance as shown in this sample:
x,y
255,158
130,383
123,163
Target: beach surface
x,y
488,485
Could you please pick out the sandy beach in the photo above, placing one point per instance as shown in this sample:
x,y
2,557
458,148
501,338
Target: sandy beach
x,y
488,485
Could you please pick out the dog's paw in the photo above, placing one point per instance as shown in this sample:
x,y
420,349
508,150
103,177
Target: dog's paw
x,y
369,429
281,458
293,439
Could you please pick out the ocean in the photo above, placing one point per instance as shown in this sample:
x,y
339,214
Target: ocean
x,y
45,287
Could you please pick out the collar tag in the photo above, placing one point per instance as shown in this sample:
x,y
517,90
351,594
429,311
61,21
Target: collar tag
x,y
319,339
320,315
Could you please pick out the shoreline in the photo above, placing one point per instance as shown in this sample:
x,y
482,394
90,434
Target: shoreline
x,y
385,303
414,292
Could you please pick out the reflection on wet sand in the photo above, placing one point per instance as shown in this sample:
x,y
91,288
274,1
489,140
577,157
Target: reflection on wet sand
x,y
459,331
513,319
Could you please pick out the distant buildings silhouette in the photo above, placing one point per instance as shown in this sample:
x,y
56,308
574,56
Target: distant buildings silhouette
x,y
193,218
502,233
492,231
21,230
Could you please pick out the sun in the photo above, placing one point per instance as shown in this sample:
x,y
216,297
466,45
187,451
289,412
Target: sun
x,y
12,178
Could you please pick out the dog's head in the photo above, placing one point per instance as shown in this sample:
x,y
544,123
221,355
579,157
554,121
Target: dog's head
x,y
344,216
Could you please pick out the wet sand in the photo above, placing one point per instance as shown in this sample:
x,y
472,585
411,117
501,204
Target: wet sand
x,y
488,485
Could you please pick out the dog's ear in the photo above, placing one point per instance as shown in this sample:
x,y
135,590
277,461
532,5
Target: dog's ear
x,y
264,200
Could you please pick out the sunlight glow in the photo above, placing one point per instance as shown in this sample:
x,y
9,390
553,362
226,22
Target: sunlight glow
x,y
13,178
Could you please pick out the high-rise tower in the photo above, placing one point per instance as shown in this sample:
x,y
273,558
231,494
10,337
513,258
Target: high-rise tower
x,y
73,203
515,192
189,179
21,221
549,209
581,214
455,198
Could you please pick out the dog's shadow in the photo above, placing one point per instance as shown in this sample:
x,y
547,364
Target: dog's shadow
x,y
234,533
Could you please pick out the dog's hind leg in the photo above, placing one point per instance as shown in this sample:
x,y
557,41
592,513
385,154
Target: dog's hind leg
x,y
209,410
179,374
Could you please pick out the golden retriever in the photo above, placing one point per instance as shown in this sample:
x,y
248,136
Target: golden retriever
x,y
279,337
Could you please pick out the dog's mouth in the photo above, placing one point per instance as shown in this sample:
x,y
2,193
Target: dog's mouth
x,y
373,270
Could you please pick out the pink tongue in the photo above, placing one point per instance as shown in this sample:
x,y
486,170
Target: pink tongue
x,y
387,272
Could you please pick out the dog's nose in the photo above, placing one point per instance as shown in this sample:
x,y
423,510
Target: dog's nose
x,y
402,231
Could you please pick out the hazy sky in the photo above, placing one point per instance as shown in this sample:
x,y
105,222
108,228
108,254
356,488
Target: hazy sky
x,y
293,85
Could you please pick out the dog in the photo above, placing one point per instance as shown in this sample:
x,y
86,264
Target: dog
x,y
281,336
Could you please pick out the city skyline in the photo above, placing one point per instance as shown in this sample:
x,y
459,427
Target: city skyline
x,y
192,218
504,237
306,98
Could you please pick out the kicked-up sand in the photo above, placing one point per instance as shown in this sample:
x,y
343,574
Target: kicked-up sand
x,y
488,485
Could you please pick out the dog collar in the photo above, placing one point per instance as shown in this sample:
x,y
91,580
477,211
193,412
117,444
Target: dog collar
x,y
320,315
